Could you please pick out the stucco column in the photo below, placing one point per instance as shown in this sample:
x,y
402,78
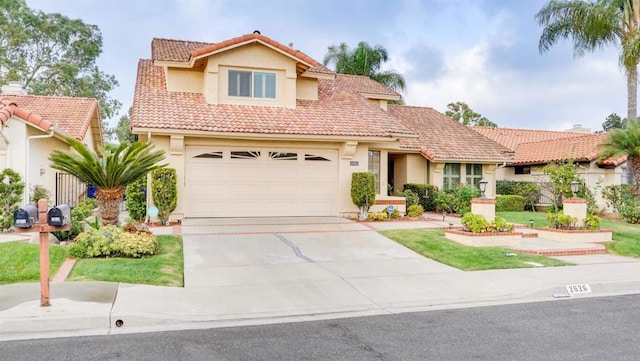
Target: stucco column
x,y
576,207
485,207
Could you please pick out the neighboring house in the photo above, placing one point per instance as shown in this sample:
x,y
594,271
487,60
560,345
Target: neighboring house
x,y
454,153
32,126
533,149
256,128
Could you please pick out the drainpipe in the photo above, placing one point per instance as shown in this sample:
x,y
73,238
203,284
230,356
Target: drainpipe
x,y
26,171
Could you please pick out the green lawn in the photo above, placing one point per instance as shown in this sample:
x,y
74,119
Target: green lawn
x,y
163,269
432,244
626,236
20,262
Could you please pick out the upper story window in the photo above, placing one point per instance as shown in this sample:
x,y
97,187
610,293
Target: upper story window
x,y
252,84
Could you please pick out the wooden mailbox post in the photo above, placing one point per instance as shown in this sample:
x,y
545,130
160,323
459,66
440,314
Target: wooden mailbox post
x,y
44,228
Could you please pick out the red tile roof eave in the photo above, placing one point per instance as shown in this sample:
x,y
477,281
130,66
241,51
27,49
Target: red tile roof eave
x,y
256,135
249,38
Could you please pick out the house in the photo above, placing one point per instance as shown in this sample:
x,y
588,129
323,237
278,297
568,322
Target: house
x,y
533,149
257,128
32,126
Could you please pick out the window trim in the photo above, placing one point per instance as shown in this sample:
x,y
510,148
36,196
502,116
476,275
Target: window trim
x,y
235,73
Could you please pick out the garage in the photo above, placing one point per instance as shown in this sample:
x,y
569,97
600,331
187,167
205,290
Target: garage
x,y
260,182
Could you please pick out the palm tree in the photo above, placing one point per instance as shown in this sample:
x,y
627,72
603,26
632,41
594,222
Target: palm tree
x,y
594,24
621,142
109,170
364,60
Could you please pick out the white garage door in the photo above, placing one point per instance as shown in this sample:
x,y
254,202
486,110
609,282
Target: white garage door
x,y
260,182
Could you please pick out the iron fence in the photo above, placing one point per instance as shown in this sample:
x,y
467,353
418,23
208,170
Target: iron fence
x,y
71,190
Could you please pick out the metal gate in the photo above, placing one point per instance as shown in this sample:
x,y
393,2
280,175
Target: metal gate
x,y
70,190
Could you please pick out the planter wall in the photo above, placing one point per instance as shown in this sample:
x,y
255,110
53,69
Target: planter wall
x,y
496,239
575,236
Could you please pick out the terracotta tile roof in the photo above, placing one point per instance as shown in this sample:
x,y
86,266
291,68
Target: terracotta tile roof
x,y
442,138
174,50
336,114
183,51
584,147
72,115
511,138
355,83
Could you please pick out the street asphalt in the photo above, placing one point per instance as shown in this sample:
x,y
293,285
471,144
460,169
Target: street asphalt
x,y
273,270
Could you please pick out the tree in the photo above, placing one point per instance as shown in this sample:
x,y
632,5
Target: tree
x,y
461,113
51,54
613,121
621,142
123,130
364,60
592,25
561,176
109,169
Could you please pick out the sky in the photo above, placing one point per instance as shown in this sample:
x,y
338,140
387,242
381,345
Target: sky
x,y
481,52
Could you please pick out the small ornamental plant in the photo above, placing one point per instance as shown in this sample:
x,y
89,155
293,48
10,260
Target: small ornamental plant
x,y
477,223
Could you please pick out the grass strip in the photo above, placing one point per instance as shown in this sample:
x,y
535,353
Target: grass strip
x,y
432,244
164,269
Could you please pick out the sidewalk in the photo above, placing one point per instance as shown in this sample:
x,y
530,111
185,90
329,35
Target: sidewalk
x,y
107,308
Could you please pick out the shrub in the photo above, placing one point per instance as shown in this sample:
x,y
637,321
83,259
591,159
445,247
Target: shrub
x,y
510,203
11,188
561,220
445,201
39,192
113,241
530,191
477,223
94,242
463,196
410,197
378,216
415,210
363,191
592,222
504,187
79,215
624,200
164,189
426,194
136,198
395,214
136,245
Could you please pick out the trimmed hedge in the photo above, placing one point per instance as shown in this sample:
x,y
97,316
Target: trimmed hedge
x,y
428,203
510,203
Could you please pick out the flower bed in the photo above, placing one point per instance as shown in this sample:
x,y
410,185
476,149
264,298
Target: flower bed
x,y
484,239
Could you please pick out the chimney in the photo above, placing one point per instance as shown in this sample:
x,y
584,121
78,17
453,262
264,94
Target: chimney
x,y
13,88
578,128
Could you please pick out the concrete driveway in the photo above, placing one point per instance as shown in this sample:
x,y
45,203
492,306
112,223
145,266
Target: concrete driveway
x,y
295,266
263,251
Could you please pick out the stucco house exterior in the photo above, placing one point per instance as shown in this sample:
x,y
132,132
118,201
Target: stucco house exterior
x,y
32,126
257,128
533,149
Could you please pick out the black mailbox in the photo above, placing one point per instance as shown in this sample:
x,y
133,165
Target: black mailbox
x,y
25,217
59,215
